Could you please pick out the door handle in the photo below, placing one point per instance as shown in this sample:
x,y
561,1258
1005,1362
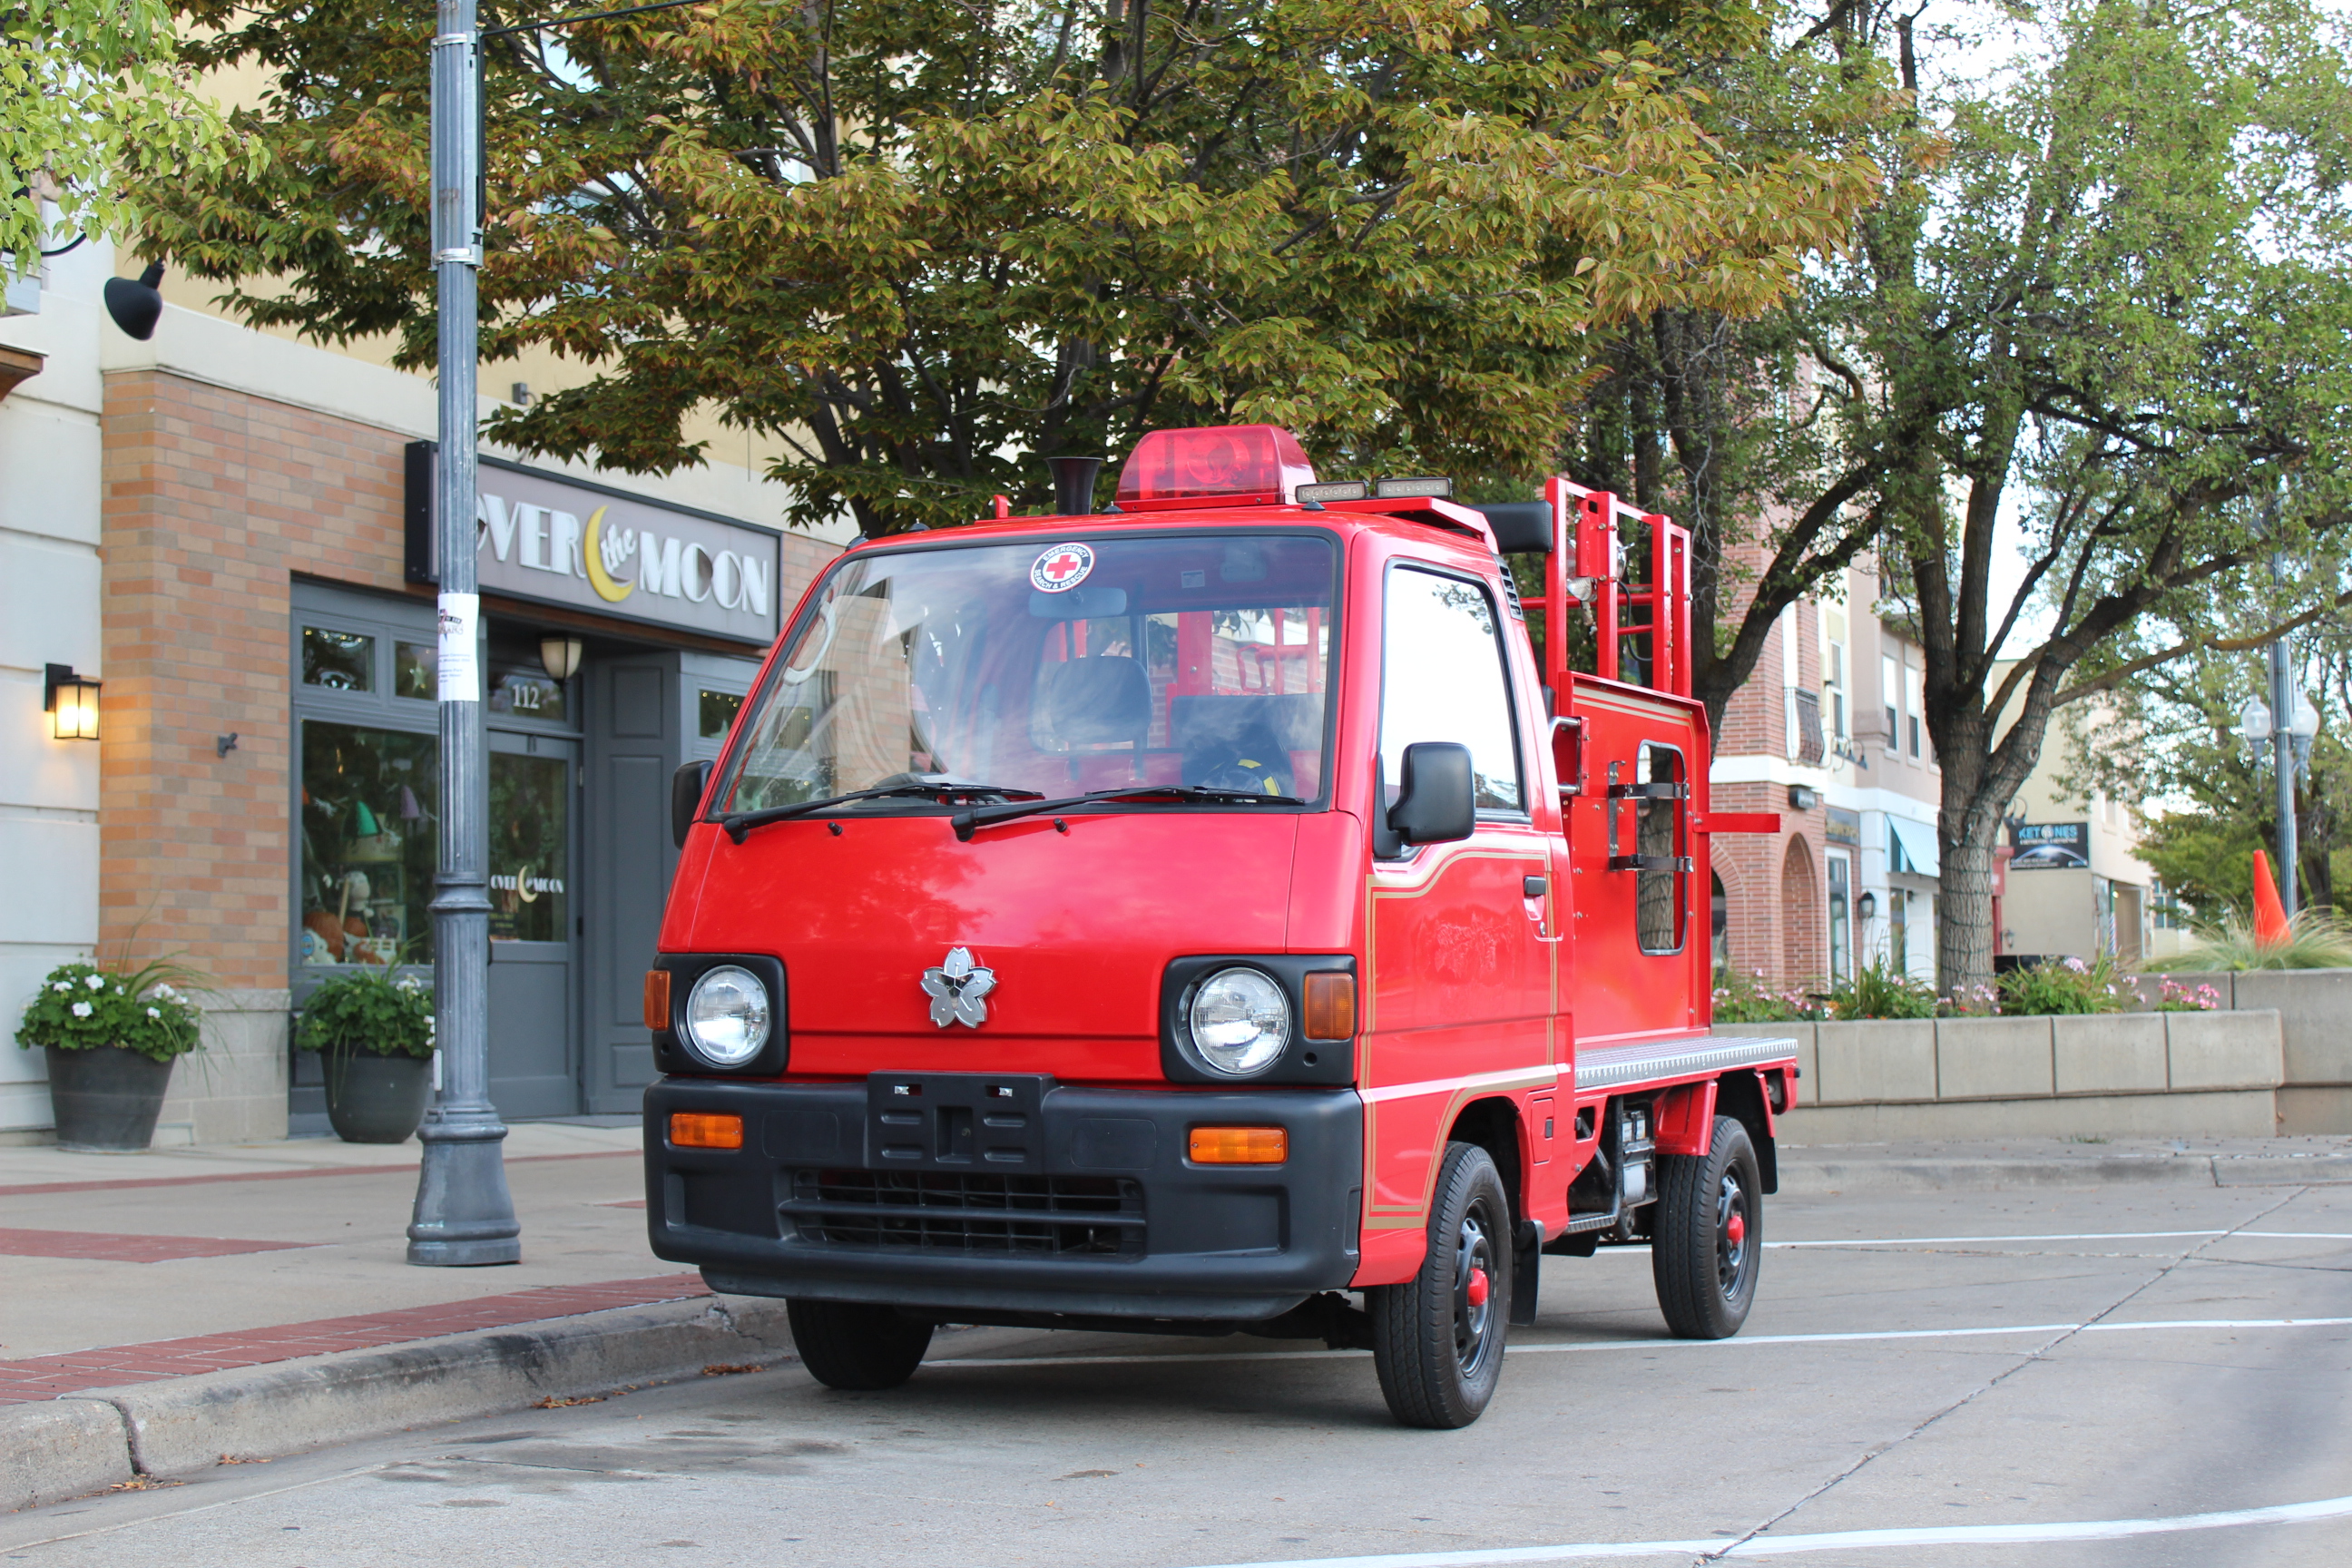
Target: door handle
x,y
1535,887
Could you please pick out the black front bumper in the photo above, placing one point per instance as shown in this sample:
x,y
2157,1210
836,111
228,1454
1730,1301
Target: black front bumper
x,y
1091,1209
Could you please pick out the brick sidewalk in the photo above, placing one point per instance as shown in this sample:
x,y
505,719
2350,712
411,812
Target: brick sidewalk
x,y
34,1378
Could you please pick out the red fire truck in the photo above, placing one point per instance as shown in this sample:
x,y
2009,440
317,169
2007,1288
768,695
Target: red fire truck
x,y
1199,917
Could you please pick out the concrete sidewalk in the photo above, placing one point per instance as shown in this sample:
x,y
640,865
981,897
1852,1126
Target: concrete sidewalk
x,y
161,1311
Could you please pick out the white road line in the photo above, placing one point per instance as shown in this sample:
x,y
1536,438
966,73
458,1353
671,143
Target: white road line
x,y
1842,1540
2085,1236
1572,1346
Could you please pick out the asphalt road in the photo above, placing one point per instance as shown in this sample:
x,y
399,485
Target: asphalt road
x,y
2107,1376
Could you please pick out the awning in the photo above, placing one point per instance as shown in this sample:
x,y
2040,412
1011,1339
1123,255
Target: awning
x,y
1914,847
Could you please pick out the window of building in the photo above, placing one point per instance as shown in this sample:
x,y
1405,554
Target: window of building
x,y
338,660
370,805
1840,875
1912,704
715,712
1898,930
1890,687
413,671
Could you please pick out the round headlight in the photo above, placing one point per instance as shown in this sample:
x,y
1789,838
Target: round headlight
x,y
1240,1021
727,1015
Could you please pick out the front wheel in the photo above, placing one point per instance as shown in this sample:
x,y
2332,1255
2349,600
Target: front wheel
x,y
1437,1339
1709,1235
854,1345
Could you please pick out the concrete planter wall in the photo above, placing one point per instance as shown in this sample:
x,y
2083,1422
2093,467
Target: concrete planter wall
x,y
2112,1075
233,1090
2315,1009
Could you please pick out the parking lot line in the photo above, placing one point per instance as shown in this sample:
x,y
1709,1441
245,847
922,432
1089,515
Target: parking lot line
x,y
1843,1539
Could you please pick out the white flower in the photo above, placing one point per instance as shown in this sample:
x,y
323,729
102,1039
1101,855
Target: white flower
x,y
81,1009
166,993
95,981
155,1012
62,986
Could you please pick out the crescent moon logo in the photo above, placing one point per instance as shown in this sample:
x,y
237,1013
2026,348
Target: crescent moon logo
x,y
591,555
524,891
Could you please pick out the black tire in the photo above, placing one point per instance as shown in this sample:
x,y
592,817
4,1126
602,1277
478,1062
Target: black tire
x,y
1707,1239
854,1345
1438,1351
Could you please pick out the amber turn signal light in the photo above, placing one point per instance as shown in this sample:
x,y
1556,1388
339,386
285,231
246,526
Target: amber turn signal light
x,y
1330,1006
657,998
702,1130
1240,1145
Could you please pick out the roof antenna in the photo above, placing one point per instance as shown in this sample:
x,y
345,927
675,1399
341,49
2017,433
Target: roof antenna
x,y
1073,485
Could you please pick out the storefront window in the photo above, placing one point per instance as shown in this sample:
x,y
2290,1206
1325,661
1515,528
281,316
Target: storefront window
x,y
529,848
369,802
339,661
718,712
526,694
1841,869
413,665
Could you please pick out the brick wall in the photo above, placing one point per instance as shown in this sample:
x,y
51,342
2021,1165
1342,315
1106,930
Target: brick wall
x,y
213,499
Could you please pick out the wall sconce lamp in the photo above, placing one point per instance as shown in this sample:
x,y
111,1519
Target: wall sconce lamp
x,y
1866,906
1803,799
560,656
71,702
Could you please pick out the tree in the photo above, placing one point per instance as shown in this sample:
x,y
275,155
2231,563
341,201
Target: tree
x,y
82,82
919,242
2120,313
1724,422
2181,717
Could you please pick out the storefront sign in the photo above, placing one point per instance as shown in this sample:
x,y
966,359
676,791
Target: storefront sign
x,y
562,542
1843,827
2050,846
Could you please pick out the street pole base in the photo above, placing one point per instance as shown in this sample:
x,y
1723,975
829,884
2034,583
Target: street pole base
x,y
464,1218
466,1254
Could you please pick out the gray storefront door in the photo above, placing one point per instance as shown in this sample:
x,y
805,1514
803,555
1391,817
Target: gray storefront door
x,y
535,922
647,714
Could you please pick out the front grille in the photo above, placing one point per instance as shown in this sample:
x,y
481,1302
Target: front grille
x,y
1050,1216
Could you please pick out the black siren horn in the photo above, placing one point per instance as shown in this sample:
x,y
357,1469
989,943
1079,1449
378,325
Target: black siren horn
x,y
1073,485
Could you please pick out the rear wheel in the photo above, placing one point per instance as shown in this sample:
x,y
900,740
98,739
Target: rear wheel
x,y
856,1345
1437,1339
1709,1235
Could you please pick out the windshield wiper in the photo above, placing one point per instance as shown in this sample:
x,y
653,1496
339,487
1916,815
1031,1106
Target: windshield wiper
x,y
972,818
737,824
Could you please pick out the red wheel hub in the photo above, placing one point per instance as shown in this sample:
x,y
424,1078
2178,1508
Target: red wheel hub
x,y
1736,1231
1478,1287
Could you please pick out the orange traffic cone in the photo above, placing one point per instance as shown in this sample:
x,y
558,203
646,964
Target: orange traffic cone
x,y
2269,915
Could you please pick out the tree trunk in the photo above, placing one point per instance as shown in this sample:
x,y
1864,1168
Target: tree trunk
x,y
1965,935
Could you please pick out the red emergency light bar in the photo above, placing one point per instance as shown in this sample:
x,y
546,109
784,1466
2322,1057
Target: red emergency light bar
x,y
1230,465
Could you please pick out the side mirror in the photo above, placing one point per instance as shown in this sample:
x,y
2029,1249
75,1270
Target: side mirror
x,y
685,787
1436,798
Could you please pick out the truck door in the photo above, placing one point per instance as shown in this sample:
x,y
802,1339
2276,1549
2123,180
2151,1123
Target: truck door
x,y
1459,974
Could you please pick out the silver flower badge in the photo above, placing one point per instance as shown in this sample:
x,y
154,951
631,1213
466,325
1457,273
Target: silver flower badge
x,y
958,990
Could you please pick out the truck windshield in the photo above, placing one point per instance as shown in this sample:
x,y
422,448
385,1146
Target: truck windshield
x,y
1057,668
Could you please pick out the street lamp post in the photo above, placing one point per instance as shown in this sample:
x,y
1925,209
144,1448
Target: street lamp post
x,y
2287,723
464,1213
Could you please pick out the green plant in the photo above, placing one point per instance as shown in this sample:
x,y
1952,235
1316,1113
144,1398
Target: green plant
x,y
1880,990
2316,938
1742,997
80,1007
369,1010
2065,985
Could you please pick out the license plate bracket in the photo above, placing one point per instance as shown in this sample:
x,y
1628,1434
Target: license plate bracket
x,y
963,1122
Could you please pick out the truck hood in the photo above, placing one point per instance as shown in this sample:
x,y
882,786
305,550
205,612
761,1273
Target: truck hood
x,y
1077,927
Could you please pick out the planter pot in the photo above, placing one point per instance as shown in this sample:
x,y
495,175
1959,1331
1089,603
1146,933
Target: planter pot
x,y
107,1099
377,1100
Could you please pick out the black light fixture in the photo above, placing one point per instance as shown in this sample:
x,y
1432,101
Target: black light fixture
x,y
136,306
1803,798
71,702
1866,906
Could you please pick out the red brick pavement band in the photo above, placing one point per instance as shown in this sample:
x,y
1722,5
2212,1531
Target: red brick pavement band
x,y
33,1188
50,1376
105,1249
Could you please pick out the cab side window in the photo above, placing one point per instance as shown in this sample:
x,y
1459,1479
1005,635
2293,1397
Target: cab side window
x,y
1441,680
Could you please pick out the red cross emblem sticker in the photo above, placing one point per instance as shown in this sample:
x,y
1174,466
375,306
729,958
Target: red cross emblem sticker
x,y
1062,568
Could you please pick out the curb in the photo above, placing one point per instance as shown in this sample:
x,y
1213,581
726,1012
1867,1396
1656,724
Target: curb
x,y
1821,1178
55,1450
